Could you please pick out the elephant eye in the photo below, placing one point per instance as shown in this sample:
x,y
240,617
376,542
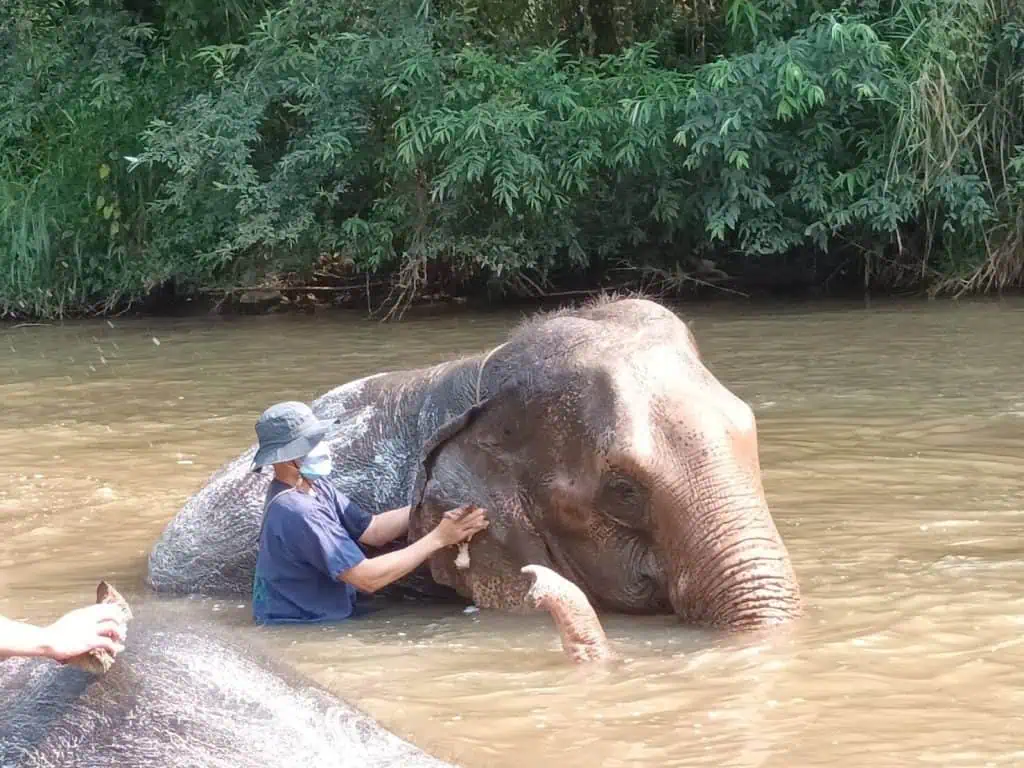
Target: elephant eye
x,y
624,499
622,487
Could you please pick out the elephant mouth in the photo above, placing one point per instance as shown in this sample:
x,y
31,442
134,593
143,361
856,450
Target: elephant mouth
x,y
748,585
647,592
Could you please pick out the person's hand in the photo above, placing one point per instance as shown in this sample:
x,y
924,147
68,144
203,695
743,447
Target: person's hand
x,y
461,523
85,629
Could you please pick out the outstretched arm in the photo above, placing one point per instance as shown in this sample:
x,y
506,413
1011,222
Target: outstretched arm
x,y
376,572
76,632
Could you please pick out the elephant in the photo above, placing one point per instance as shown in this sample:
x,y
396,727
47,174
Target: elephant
x,y
601,444
185,693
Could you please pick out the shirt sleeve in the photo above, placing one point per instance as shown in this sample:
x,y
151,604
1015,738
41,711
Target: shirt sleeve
x,y
355,519
324,543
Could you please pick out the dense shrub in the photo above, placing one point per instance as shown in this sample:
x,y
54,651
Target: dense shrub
x,y
505,145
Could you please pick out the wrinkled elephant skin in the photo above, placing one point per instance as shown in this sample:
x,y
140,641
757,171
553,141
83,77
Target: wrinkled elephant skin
x,y
183,694
601,445
580,630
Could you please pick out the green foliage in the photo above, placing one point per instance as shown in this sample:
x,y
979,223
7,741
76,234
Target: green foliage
x,y
954,106
504,142
77,86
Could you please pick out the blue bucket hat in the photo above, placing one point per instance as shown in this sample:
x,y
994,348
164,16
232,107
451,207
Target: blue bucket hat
x,y
288,431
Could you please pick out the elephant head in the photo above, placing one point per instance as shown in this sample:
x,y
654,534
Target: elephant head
x,y
606,451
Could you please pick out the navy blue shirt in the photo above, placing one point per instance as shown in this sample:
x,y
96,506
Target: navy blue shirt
x,y
307,540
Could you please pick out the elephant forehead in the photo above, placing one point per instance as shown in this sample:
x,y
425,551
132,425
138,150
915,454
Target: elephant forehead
x,y
652,405
631,406
633,422
666,384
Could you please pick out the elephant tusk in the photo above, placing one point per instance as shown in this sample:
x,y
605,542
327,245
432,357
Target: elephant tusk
x,y
462,560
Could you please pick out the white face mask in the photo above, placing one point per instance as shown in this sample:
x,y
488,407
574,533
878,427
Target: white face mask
x,y
317,462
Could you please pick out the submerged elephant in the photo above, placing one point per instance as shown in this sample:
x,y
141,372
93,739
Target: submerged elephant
x,y
182,694
602,446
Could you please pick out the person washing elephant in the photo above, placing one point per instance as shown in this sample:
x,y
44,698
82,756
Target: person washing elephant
x,y
309,566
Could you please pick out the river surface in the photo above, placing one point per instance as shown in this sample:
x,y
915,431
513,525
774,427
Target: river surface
x,y
892,446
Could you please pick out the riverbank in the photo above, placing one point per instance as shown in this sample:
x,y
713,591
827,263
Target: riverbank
x,y
385,299
357,302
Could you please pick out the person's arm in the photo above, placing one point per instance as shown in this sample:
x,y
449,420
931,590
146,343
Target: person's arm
x,y
20,639
329,544
386,527
376,572
74,633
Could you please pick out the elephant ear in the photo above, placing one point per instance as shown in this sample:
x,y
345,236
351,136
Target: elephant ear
x,y
479,458
434,443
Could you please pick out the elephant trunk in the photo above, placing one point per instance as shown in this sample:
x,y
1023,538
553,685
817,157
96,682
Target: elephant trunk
x,y
734,571
582,635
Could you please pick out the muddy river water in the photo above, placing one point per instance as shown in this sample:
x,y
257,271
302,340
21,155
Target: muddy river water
x,y
892,444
